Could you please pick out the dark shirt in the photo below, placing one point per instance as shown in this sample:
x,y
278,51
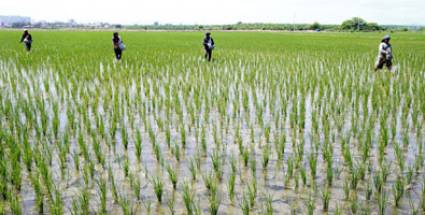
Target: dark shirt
x,y
28,37
207,41
116,41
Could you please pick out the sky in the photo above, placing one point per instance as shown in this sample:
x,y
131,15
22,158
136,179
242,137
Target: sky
x,y
403,12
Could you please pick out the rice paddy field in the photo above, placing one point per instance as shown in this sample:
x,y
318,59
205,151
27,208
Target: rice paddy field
x,y
278,123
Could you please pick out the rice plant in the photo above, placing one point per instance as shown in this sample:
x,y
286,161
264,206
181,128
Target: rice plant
x,y
188,198
158,187
172,175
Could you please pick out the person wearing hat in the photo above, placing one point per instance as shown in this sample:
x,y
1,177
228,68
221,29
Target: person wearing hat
x,y
118,45
208,46
26,39
385,55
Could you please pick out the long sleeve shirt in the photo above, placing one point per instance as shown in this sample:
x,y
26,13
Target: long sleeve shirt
x,y
385,51
208,42
26,38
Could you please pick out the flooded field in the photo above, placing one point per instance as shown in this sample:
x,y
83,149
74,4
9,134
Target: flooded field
x,y
293,123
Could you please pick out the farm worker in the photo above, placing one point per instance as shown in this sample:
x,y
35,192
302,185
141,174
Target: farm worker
x,y
385,55
26,39
118,45
208,46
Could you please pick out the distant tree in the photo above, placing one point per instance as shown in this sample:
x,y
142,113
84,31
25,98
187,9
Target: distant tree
x,y
355,23
359,24
156,23
315,26
239,23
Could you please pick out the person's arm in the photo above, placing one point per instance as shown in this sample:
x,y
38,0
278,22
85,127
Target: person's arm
x,y
22,38
212,41
382,50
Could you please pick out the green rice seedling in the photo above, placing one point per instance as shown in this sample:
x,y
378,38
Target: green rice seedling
x,y
385,171
16,178
268,207
326,197
214,204
2,209
303,175
398,190
171,205
138,145
15,204
183,135
168,136
125,206
204,145
158,187
113,185
176,152
85,201
76,159
346,189
419,158
102,192
266,155
210,182
368,190
3,177
126,166
354,179
354,203
135,185
188,198
98,152
27,155
245,156
338,210
311,205
267,134
217,163
173,176
378,182
39,196
423,195
290,167
231,186
329,173
409,175
313,165
413,210
124,137
56,205
193,169
233,164
400,157
245,204
280,146
253,163
382,201
252,192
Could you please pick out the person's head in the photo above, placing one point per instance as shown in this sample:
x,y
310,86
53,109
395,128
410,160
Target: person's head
x,y
25,31
115,34
386,39
208,34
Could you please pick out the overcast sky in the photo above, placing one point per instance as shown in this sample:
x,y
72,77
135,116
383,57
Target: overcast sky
x,y
218,11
